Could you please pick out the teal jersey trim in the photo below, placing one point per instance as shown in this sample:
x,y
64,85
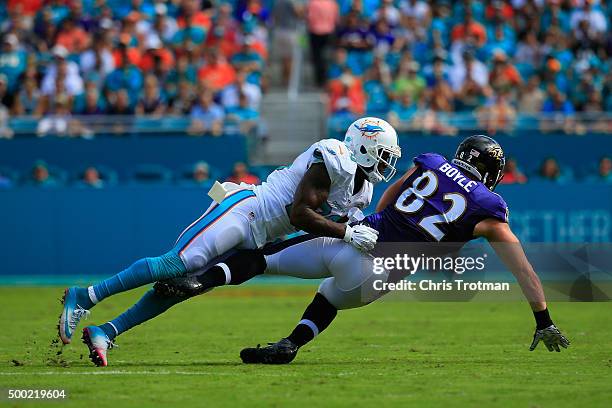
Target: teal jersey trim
x,y
220,210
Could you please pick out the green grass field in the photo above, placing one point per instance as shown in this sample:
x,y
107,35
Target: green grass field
x,y
386,354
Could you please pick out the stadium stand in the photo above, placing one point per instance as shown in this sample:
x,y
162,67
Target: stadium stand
x,y
497,64
64,62
127,73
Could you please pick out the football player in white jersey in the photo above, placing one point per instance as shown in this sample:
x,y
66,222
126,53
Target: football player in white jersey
x,y
314,195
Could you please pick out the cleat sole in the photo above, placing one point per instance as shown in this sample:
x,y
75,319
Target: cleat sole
x,y
255,356
94,355
62,322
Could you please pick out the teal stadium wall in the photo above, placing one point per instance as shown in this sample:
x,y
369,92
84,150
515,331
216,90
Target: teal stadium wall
x,y
72,231
123,153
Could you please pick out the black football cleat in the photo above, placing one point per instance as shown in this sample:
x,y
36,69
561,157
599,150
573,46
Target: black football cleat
x,y
281,352
182,286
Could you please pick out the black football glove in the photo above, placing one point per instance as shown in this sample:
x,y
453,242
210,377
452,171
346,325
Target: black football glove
x,y
551,337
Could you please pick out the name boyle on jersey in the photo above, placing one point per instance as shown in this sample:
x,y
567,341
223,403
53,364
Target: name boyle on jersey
x,y
455,175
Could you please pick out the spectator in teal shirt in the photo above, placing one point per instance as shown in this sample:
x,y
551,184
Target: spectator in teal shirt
x,y
41,177
12,61
551,171
604,172
201,175
249,60
183,72
561,52
500,37
476,7
554,15
342,59
557,103
553,75
58,9
394,56
121,8
90,102
581,90
190,35
341,117
243,111
376,88
126,77
402,112
245,116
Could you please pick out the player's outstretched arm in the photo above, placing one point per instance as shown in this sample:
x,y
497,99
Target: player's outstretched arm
x,y
311,194
509,249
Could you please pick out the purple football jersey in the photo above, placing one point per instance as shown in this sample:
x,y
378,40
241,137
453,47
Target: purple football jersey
x,y
437,203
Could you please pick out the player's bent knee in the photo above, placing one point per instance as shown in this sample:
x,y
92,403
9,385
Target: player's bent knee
x,y
233,234
342,299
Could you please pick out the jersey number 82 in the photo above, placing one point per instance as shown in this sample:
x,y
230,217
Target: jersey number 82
x,y
413,198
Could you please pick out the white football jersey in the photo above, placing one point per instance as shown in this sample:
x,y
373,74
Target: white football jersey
x,y
276,193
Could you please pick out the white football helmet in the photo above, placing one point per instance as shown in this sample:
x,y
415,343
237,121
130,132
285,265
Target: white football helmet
x,y
373,141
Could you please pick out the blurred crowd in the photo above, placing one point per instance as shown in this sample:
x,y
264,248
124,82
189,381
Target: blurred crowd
x,y
499,63
194,58
201,174
550,170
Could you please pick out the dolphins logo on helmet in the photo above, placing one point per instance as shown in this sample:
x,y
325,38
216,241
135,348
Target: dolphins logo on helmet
x,y
368,130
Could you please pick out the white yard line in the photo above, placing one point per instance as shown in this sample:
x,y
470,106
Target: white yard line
x,y
193,373
118,372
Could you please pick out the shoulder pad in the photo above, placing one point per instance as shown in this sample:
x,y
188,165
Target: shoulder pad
x,y
336,157
429,160
494,206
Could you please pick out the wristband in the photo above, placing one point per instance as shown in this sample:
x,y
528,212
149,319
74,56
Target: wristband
x,y
542,319
348,233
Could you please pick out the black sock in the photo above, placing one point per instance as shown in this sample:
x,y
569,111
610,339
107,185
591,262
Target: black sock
x,y
319,313
239,267
213,277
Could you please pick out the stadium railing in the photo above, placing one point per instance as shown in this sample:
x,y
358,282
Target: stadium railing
x,y
424,121
88,126
444,123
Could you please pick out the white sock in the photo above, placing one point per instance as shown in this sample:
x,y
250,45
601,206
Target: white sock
x,y
226,270
92,295
311,325
114,328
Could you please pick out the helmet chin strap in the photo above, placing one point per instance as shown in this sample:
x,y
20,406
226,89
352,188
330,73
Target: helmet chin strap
x,y
472,170
374,177
371,175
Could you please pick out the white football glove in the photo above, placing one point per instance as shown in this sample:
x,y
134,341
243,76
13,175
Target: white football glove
x,y
551,337
361,237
